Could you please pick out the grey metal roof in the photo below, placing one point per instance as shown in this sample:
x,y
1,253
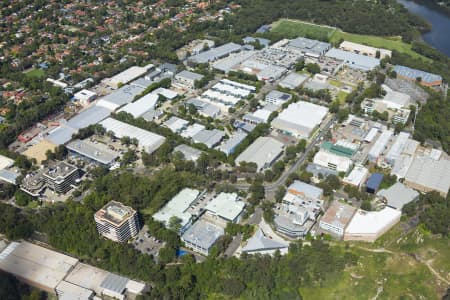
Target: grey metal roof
x,y
398,195
229,146
203,234
264,151
308,190
209,137
123,95
61,135
309,46
90,116
190,75
259,242
93,151
188,152
215,53
353,60
414,73
114,283
9,176
430,173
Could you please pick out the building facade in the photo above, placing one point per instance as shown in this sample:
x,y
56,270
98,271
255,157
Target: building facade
x,y
117,222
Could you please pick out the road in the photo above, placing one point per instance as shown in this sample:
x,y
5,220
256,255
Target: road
x,y
271,187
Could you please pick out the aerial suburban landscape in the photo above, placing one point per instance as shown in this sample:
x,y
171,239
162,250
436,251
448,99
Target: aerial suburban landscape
x,y
247,149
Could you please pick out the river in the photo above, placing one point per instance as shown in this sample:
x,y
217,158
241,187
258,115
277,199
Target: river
x,y
439,36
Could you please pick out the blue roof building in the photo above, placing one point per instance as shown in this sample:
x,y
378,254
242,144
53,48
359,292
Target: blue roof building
x,y
374,182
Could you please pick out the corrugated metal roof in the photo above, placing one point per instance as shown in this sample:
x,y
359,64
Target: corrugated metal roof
x,y
114,283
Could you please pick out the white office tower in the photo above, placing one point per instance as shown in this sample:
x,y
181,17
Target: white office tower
x,y
117,222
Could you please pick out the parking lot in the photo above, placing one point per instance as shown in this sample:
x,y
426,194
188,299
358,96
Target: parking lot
x,y
146,243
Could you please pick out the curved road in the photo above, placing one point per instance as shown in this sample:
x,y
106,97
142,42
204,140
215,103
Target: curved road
x,y
272,186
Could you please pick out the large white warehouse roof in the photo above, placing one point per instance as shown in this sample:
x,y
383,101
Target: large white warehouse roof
x,y
148,140
300,118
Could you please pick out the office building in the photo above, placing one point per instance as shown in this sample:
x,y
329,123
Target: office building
x,y
186,79
201,236
224,208
177,208
117,222
332,161
277,98
337,217
357,176
60,177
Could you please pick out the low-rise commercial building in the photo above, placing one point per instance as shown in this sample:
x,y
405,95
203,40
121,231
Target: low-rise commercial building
x,y
259,243
337,217
368,226
177,209
277,98
117,222
299,209
229,146
209,138
224,208
186,79
92,152
201,236
355,61
398,195
427,174
426,79
357,176
188,152
127,75
175,124
332,161
365,50
263,152
147,140
380,146
36,266
293,80
300,119
215,53
85,96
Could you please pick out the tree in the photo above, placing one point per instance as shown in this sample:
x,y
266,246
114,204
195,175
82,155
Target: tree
x,y
366,205
279,194
175,223
22,198
313,68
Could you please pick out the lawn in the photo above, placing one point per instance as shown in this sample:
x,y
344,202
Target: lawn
x,y
35,73
390,43
293,29
341,96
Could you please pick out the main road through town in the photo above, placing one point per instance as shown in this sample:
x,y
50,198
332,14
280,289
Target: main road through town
x,y
271,187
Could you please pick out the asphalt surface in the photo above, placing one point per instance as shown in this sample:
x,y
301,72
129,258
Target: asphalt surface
x,y
271,187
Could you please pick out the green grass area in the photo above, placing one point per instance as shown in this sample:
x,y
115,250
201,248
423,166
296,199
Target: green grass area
x,y
293,29
341,96
36,73
391,276
335,83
